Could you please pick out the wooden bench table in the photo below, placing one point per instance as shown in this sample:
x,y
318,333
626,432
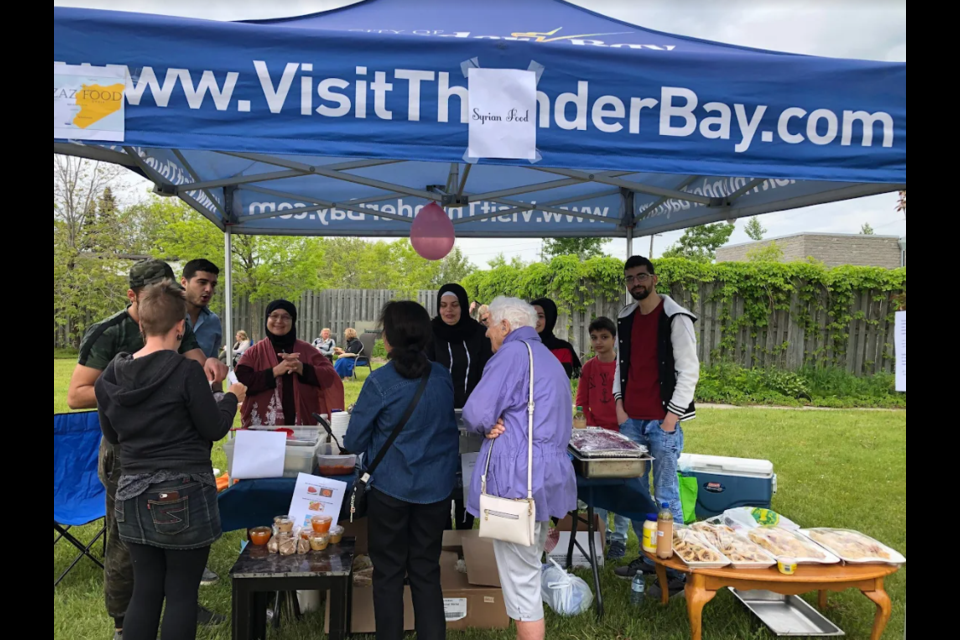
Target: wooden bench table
x,y
703,585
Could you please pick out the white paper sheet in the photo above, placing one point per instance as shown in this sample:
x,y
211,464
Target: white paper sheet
x,y
259,454
314,496
901,348
89,103
232,378
503,114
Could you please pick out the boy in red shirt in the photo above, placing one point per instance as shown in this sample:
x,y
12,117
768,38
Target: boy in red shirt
x,y
595,396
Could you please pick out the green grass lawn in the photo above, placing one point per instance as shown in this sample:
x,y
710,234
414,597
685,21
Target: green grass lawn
x,y
842,469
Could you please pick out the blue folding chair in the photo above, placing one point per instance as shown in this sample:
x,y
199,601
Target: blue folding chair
x,y
79,497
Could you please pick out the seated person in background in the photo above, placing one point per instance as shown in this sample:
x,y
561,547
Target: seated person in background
x,y
240,345
347,358
157,406
325,344
595,396
288,380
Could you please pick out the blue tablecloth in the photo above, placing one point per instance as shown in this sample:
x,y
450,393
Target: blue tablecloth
x,y
623,497
255,503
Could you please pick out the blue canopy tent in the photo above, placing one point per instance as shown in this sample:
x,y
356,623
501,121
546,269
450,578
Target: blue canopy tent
x,y
345,123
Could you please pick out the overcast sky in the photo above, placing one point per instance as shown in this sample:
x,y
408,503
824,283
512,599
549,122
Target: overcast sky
x,y
865,29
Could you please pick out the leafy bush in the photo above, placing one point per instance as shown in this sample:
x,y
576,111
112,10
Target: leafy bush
x,y
818,387
380,351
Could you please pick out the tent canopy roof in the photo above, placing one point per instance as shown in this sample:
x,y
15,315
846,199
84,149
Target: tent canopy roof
x,y
346,122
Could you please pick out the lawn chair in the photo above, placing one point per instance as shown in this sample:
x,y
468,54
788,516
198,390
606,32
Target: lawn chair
x,y
79,498
365,359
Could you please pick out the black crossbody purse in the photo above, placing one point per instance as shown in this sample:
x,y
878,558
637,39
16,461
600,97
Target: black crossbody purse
x,y
358,499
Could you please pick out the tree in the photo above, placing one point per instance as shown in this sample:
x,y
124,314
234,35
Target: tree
x,y
583,248
867,230
453,269
264,268
700,244
501,261
755,230
88,241
771,252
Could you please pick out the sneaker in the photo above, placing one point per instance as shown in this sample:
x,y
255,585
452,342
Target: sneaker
x,y
209,578
617,551
676,587
207,618
637,566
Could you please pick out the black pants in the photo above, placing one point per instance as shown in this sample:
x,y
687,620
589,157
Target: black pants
x,y
406,541
161,575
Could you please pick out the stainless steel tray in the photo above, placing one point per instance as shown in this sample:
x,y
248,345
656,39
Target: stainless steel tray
x,y
788,616
610,468
630,450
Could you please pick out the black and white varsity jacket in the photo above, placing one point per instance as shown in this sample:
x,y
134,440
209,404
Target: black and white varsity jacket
x,y
679,362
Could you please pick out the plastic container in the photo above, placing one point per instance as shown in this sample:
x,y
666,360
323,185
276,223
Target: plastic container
x,y
787,567
854,547
284,524
791,546
336,535
336,466
260,536
319,542
697,553
321,524
650,534
665,533
298,458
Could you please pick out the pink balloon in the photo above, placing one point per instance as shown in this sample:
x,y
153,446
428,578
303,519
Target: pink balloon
x,y
432,234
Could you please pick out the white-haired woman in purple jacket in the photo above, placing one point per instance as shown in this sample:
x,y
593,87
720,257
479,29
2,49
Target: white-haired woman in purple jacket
x,y
498,410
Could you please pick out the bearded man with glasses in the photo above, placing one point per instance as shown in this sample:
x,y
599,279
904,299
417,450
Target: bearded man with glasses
x,y
657,374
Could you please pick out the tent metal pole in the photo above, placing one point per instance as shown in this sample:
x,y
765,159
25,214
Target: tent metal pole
x,y
629,243
228,293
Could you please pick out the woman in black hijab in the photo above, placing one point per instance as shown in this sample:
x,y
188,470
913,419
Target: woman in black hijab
x,y
547,316
460,343
288,380
461,346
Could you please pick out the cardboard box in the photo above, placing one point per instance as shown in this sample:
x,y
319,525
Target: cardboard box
x,y
364,620
482,570
468,606
580,560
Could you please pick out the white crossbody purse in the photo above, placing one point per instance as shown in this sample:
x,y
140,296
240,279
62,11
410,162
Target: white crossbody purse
x,y
511,520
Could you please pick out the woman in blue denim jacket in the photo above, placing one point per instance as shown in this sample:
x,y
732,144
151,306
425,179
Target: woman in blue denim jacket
x,y
409,501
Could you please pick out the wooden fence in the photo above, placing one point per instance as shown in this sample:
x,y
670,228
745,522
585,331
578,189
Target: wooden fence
x,y
794,337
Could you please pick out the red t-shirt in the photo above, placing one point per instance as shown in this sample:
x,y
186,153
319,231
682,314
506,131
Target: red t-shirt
x,y
643,400
595,394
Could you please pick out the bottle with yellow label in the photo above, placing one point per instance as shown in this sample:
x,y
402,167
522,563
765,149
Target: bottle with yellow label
x,y
650,528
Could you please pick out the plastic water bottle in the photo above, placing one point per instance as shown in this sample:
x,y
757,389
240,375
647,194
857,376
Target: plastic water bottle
x,y
639,591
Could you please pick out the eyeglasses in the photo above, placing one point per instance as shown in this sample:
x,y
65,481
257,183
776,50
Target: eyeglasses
x,y
638,279
281,318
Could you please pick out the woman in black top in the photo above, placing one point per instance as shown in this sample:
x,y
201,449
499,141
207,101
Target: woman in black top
x,y
460,343
461,346
547,316
157,406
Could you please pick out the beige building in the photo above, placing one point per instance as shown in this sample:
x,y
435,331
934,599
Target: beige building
x,y
834,250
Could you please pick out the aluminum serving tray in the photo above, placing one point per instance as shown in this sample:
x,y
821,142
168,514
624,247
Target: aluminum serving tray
x,y
788,616
631,449
610,468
